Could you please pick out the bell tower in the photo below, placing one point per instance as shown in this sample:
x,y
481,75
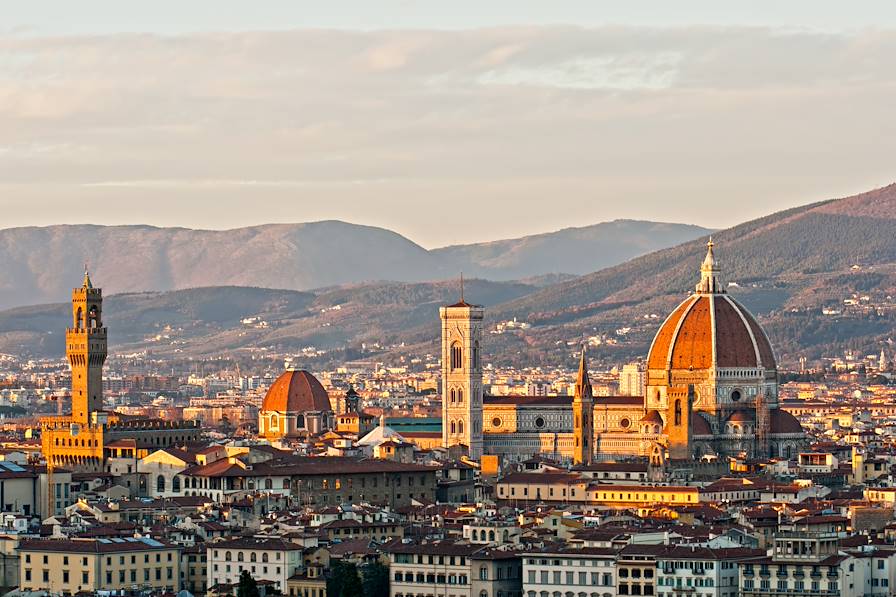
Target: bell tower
x,y
462,376
583,416
85,347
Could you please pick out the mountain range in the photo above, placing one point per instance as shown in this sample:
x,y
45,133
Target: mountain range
x,y
821,278
41,264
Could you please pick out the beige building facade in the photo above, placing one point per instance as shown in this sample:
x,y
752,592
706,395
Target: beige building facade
x,y
68,566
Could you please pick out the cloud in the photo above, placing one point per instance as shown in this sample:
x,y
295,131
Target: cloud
x,y
618,121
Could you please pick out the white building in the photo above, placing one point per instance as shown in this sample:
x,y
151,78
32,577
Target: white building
x,y
805,563
589,571
266,559
632,380
700,571
453,569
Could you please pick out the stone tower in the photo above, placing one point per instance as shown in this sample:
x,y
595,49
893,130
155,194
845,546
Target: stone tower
x,y
462,376
678,422
583,416
85,347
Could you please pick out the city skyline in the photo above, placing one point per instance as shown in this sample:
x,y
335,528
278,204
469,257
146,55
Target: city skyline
x,y
469,299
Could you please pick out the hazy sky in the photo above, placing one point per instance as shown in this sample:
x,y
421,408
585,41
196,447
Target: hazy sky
x,y
445,121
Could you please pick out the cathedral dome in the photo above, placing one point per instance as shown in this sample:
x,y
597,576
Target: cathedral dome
x,y
710,329
296,392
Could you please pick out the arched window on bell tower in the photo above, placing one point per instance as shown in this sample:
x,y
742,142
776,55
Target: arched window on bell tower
x,y
678,412
79,319
457,356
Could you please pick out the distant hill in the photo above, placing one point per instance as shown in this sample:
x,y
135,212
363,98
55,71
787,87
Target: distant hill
x,y
821,278
571,250
215,320
41,264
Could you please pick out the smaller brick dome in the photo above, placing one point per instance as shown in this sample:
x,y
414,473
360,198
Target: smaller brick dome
x,y
296,392
653,417
781,421
699,425
741,416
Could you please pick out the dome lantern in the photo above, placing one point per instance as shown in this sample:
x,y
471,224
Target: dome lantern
x,y
709,273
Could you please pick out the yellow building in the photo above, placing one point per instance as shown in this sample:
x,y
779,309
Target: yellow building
x,y
81,440
572,488
72,565
310,583
194,570
357,424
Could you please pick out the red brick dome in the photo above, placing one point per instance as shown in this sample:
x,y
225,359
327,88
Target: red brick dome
x,y
710,328
296,392
781,421
699,425
741,416
653,417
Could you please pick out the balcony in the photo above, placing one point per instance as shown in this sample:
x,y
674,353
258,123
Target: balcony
x,y
748,573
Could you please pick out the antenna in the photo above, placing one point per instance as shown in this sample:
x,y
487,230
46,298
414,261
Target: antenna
x,y
462,287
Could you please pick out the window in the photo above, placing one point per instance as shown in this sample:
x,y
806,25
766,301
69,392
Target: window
x,y
457,354
175,484
160,484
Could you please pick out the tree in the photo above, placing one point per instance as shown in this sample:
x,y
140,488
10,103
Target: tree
x,y
248,587
344,581
376,580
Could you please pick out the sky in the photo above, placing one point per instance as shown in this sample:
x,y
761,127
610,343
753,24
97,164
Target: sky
x,y
446,122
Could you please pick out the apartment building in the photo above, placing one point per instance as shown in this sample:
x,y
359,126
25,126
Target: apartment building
x,y
89,565
450,569
576,488
584,572
274,560
700,571
803,563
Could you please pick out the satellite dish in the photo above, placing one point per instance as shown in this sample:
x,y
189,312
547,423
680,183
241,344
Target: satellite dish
x,y
75,429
